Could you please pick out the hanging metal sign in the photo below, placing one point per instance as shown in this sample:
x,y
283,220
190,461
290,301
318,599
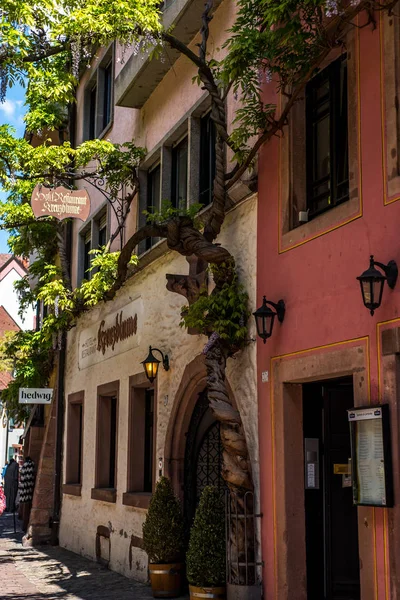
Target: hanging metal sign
x,y
35,395
60,202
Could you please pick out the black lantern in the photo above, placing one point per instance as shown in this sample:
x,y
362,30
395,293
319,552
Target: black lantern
x,y
151,364
372,282
265,317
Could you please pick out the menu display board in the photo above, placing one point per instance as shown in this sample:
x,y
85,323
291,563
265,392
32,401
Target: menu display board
x,y
371,456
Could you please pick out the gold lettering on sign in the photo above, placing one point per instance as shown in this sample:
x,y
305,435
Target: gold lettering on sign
x,y
116,333
60,203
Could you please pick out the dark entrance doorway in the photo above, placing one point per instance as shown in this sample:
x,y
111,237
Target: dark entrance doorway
x,y
331,519
203,456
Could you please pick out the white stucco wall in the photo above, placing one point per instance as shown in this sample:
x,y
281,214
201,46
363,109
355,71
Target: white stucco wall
x,y
170,101
9,299
160,327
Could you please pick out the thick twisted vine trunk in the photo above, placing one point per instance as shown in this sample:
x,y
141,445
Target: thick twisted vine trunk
x,y
236,469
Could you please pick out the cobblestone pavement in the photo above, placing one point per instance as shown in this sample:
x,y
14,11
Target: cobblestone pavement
x,y
52,573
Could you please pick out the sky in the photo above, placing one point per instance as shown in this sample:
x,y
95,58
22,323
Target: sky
x,y
11,112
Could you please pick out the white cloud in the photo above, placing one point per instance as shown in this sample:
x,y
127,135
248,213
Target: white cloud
x,y
8,107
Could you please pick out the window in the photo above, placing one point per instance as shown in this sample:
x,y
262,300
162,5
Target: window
x,y
153,197
391,115
99,99
102,233
207,159
74,443
87,246
327,138
92,112
179,174
140,442
107,95
95,235
106,445
148,440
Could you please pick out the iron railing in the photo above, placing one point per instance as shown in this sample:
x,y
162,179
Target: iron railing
x,y
242,549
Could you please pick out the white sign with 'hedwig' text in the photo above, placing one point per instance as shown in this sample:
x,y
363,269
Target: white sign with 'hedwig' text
x,y
35,395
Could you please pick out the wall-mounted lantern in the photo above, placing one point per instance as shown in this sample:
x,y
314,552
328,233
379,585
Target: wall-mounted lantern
x,y
265,317
151,364
372,282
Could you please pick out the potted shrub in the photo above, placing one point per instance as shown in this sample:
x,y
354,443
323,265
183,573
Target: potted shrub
x,y
206,556
163,540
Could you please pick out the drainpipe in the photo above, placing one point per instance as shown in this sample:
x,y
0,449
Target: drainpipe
x,y
55,519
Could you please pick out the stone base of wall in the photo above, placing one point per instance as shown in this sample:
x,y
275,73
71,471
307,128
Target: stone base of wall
x,y
39,531
33,443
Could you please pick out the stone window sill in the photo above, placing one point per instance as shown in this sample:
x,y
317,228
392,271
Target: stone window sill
x,y
136,499
73,489
104,494
331,219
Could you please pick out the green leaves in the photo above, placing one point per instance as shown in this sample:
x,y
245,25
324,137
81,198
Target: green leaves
x,y
206,556
168,211
224,311
103,273
163,534
29,355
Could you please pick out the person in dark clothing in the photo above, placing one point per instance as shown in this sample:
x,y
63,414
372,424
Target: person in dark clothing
x,y
11,485
26,487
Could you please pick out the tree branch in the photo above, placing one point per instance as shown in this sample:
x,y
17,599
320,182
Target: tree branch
x,y
126,253
183,49
51,51
333,30
205,29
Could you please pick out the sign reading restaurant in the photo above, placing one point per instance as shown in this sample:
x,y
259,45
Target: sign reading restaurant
x,y
60,202
116,333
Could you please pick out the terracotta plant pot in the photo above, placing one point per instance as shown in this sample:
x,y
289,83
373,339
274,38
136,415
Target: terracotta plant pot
x,y
166,580
209,593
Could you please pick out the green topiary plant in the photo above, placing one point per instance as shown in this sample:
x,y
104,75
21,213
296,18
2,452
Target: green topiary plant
x,y
163,532
205,559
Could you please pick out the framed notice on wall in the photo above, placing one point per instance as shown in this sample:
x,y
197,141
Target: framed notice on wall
x,y
371,456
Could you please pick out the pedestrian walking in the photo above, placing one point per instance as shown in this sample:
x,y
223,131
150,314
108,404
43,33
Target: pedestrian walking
x,y
11,485
3,472
26,487
2,501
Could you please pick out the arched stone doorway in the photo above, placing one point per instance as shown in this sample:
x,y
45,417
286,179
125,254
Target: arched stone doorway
x,y
190,419
203,456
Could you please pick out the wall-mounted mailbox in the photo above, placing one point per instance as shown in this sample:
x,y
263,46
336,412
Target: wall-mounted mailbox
x,y
311,462
372,478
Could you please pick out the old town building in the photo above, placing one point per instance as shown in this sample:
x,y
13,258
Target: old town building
x,y
326,474
121,431
328,199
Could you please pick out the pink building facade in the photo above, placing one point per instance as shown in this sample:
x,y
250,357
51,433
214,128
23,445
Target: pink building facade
x,y
330,354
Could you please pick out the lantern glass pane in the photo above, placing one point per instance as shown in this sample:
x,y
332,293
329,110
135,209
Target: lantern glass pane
x,y
268,323
151,370
367,291
378,290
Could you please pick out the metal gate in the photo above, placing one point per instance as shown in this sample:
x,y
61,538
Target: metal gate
x,y
203,456
241,539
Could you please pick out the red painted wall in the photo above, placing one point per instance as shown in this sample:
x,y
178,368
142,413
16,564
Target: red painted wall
x,y
317,281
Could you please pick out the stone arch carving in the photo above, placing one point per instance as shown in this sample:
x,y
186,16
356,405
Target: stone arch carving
x,y
193,382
